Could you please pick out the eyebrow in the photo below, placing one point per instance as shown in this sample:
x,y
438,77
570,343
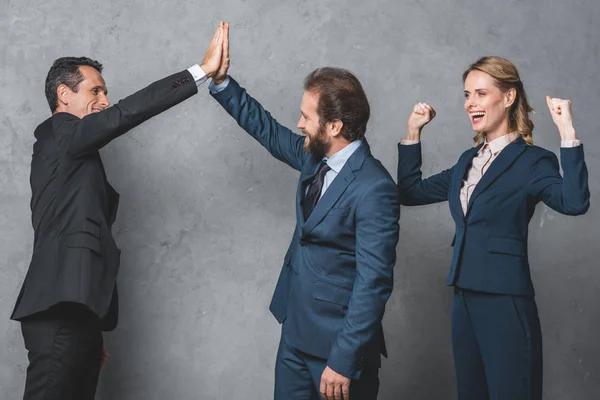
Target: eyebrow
x,y
476,90
103,88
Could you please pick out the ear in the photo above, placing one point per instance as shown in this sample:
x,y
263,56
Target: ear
x,y
62,93
334,128
509,97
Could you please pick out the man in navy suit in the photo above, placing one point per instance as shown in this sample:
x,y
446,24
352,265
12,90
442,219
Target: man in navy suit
x,y
338,271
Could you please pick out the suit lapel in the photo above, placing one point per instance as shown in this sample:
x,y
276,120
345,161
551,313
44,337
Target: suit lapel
x,y
332,194
306,175
504,160
337,188
457,180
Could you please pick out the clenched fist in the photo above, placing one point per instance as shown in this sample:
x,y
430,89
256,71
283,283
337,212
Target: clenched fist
x,y
421,115
561,115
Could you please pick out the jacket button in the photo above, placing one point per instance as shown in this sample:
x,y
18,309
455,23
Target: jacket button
x,y
302,243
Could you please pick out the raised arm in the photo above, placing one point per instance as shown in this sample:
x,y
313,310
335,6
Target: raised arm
x,y
568,194
250,115
414,190
81,136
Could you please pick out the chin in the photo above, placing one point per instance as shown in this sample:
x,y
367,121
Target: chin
x,y
479,128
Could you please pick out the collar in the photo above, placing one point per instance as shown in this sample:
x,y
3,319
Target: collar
x,y
498,144
338,160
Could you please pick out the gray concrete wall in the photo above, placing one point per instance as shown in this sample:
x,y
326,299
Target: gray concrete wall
x,y
206,214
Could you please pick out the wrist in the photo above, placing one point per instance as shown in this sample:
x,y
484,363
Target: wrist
x,y
413,134
217,80
568,134
209,73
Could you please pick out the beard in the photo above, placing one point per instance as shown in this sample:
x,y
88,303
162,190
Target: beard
x,y
317,144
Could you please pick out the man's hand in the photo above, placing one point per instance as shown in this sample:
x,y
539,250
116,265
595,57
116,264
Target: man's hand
x,y
221,73
334,386
212,59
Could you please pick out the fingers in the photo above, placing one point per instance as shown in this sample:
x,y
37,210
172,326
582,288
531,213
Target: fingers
x,y
330,392
226,40
424,109
346,392
557,105
323,389
337,392
218,37
549,102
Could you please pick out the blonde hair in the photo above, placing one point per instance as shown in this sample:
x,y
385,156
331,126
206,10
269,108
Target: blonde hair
x,y
506,77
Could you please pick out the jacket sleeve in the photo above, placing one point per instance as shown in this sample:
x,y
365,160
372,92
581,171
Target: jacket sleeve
x,y
415,191
377,230
282,143
79,137
569,194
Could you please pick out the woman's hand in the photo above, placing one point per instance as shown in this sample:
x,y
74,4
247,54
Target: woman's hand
x,y
561,115
421,115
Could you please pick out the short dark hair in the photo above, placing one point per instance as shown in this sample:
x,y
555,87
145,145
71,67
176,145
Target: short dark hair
x,y
65,71
341,97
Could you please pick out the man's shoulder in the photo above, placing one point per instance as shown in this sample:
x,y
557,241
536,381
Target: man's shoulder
x,y
53,124
373,170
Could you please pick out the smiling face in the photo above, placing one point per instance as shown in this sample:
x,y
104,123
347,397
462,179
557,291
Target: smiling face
x,y
487,106
90,96
317,141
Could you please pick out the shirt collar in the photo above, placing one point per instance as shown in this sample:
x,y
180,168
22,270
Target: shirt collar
x,y
498,144
338,160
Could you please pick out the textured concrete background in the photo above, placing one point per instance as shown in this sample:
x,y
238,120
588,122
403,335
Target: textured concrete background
x,y
206,214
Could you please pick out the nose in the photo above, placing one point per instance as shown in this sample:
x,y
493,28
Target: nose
x,y
468,103
104,101
301,123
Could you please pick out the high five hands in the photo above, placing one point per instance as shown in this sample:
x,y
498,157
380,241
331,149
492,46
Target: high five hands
x,y
216,59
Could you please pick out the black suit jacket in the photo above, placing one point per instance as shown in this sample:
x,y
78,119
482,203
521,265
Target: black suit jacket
x,y
75,258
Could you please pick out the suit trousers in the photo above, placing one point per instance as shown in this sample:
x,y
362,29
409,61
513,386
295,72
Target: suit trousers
x,y
65,349
497,344
298,375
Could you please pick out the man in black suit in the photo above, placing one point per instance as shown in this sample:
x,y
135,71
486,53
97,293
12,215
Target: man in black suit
x,y
69,294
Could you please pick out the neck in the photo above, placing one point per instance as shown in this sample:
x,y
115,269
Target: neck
x,y
498,132
336,146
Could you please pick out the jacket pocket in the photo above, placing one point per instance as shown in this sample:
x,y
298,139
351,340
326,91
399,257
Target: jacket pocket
x,y
92,227
504,245
339,211
84,240
332,293
87,238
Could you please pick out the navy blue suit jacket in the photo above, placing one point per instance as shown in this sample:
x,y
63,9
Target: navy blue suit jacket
x,y
338,271
490,244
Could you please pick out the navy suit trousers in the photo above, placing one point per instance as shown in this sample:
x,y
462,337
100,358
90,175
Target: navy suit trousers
x,y
497,345
298,375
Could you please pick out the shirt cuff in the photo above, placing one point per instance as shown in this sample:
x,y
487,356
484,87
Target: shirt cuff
x,y
570,143
407,142
198,74
214,89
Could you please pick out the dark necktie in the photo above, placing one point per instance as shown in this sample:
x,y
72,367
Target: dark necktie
x,y
314,191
